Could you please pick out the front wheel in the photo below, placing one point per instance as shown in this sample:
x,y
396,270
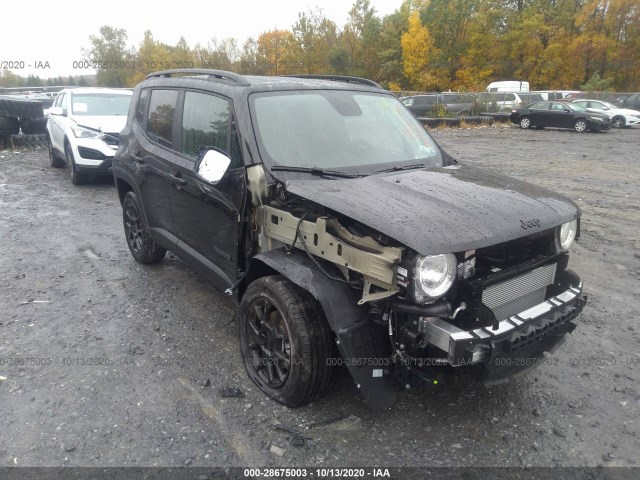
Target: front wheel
x,y
618,122
580,126
141,245
285,341
54,161
525,123
76,177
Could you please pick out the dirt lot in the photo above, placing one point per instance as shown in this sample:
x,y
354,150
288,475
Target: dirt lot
x,y
106,362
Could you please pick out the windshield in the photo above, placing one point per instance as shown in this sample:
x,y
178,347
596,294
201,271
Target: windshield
x,y
358,131
100,104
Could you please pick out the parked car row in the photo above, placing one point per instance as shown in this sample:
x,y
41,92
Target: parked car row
x,y
286,193
465,104
580,115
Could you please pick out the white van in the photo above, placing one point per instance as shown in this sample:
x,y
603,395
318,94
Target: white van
x,y
508,86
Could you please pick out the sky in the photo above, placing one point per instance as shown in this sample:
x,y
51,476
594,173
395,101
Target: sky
x,y
45,38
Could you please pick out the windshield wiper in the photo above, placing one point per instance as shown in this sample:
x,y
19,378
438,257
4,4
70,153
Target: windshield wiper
x,y
396,168
316,171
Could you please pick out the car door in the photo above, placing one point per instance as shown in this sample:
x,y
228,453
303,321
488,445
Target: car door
x,y
151,154
206,216
560,116
539,114
57,124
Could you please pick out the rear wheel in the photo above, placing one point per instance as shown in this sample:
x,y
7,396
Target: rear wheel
x,y
525,123
141,245
285,341
618,121
580,126
76,177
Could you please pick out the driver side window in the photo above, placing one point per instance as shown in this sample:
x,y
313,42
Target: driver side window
x,y
206,122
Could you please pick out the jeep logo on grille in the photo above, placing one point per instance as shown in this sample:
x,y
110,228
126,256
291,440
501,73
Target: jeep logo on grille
x,y
533,222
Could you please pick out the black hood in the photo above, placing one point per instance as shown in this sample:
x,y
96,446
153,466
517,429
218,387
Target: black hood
x,y
442,210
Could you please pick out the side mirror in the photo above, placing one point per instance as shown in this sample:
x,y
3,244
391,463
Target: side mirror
x,y
213,166
568,110
56,111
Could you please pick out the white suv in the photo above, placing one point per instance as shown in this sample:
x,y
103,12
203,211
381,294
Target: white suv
x,y
83,129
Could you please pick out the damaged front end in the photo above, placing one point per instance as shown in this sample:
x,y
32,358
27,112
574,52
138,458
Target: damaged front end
x,y
401,318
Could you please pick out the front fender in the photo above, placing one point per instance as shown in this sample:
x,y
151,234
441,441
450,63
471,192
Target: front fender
x,y
354,334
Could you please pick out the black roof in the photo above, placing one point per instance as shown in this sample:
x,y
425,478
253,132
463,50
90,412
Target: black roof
x,y
268,83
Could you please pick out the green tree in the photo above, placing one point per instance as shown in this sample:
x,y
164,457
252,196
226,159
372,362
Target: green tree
x,y
597,84
316,38
109,49
9,79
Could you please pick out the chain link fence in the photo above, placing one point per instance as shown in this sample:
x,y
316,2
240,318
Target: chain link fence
x,y
465,104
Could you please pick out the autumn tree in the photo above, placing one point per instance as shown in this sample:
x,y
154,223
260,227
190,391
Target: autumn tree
x,y
418,52
275,53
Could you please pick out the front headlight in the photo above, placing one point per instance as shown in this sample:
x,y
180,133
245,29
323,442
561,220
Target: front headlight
x,y
81,132
598,119
433,276
565,235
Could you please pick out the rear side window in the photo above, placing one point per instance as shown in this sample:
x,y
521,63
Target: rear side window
x,y
162,108
206,122
541,106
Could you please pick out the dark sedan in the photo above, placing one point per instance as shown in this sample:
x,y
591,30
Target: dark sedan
x,y
559,115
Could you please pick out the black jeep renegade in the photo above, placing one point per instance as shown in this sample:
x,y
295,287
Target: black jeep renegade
x,y
345,233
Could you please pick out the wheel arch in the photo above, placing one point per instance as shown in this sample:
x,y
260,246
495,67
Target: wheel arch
x,y
354,333
123,187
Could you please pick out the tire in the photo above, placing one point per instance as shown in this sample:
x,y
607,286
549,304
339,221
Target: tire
x,y
76,177
33,126
618,121
525,122
9,126
54,161
20,107
285,341
141,245
580,125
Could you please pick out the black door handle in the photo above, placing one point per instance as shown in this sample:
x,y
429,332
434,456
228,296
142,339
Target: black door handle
x,y
178,180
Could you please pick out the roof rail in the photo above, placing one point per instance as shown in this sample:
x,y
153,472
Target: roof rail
x,y
338,78
219,74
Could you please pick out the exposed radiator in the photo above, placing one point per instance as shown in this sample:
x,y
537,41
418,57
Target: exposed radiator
x,y
519,293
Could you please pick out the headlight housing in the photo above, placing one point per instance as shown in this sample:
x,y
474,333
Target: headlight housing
x,y
597,119
82,132
565,235
433,276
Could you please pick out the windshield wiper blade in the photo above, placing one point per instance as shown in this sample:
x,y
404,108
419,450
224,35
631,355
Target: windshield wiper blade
x,y
396,168
316,171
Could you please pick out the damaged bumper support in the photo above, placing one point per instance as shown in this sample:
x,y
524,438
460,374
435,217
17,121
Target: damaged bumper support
x,y
516,343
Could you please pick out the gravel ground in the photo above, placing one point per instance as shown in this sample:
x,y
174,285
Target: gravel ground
x,y
105,362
